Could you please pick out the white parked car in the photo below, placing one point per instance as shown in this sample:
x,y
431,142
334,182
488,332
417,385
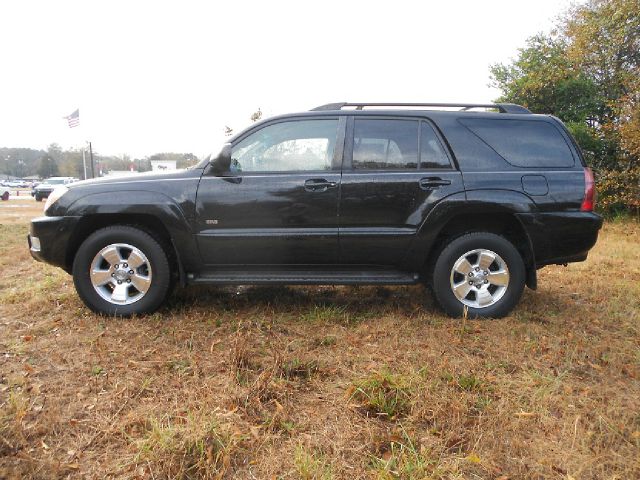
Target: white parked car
x,y
49,185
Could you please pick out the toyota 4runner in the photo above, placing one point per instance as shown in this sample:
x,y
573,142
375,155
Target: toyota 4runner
x,y
470,199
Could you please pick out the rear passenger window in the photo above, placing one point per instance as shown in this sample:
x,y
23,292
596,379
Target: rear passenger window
x,y
385,144
523,143
431,151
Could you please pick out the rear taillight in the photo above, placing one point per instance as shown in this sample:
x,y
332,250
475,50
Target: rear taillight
x,y
589,200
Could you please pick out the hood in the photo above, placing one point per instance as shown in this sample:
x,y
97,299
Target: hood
x,y
138,177
49,185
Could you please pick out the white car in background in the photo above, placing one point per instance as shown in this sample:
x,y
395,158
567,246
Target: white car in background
x,y
44,189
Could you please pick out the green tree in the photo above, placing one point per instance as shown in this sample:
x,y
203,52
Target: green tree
x,y
71,164
604,39
55,152
19,162
47,167
544,80
142,164
587,72
257,115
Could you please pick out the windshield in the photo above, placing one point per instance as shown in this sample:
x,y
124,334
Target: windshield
x,y
55,181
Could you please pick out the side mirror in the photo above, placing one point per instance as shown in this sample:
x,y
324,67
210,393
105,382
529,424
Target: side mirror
x,y
221,165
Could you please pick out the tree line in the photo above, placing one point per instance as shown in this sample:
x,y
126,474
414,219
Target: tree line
x,y
56,161
586,71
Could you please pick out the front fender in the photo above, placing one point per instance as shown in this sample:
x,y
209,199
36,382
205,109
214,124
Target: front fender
x,y
131,202
127,204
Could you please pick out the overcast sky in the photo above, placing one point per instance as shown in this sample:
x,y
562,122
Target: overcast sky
x,y
168,76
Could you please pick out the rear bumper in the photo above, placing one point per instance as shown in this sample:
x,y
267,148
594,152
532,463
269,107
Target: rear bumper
x,y
561,237
48,239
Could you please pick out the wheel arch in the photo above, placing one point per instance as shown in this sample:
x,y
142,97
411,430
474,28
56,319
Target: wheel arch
x,y
504,224
480,211
151,224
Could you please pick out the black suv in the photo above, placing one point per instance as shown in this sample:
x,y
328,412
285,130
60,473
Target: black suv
x,y
471,202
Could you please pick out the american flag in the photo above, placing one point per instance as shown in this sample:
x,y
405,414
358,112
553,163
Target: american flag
x,y
73,119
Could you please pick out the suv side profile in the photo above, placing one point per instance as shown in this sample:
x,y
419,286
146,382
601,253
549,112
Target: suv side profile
x,y
471,203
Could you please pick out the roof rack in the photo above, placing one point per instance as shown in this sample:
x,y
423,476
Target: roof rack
x,y
501,107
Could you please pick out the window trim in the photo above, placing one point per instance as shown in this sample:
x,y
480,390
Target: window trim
x,y
338,150
442,146
350,139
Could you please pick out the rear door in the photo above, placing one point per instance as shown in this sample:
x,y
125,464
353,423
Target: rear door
x,y
279,205
396,169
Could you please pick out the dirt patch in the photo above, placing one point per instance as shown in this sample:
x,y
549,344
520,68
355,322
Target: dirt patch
x,y
17,210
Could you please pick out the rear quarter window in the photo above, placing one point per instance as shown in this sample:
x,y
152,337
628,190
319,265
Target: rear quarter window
x,y
523,143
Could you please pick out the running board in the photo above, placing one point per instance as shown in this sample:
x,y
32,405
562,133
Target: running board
x,y
280,277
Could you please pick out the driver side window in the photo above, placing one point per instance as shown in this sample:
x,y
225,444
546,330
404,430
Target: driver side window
x,y
304,145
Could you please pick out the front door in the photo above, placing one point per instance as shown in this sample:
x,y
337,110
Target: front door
x,y
279,204
396,170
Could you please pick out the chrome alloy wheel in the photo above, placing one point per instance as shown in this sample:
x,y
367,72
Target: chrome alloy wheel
x,y
120,273
479,278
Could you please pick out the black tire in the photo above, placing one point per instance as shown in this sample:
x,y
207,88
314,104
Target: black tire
x,y
121,234
449,255
38,198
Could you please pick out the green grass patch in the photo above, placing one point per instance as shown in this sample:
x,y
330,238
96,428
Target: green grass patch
x,y
188,447
384,394
404,459
297,368
312,465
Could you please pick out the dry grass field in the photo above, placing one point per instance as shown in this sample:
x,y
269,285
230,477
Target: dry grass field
x,y
321,382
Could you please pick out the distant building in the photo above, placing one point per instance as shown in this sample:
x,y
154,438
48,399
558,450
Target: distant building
x,y
163,165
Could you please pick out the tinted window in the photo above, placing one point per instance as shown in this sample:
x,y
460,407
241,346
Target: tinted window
x,y
287,146
385,144
523,143
431,151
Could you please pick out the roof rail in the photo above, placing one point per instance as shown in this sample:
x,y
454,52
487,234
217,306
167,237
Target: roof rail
x,y
502,107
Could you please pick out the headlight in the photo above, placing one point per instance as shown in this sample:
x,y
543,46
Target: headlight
x,y
55,196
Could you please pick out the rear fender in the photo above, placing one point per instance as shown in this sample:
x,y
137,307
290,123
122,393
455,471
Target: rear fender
x,y
480,202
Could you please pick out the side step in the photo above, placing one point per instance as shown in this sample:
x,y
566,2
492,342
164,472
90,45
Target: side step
x,y
300,277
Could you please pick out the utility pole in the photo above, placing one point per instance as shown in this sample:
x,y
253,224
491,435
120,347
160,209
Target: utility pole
x,y
84,162
93,172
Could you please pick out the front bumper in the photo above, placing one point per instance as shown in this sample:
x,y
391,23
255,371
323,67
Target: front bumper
x,y
41,193
48,239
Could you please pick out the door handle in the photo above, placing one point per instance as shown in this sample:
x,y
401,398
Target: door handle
x,y
429,183
318,185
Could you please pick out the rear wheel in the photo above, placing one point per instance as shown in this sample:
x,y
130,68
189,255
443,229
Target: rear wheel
x,y
481,271
121,270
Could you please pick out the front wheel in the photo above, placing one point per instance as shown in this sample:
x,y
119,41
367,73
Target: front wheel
x,y
121,270
481,271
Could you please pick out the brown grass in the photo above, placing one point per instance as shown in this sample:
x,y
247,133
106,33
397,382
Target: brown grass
x,y
277,382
